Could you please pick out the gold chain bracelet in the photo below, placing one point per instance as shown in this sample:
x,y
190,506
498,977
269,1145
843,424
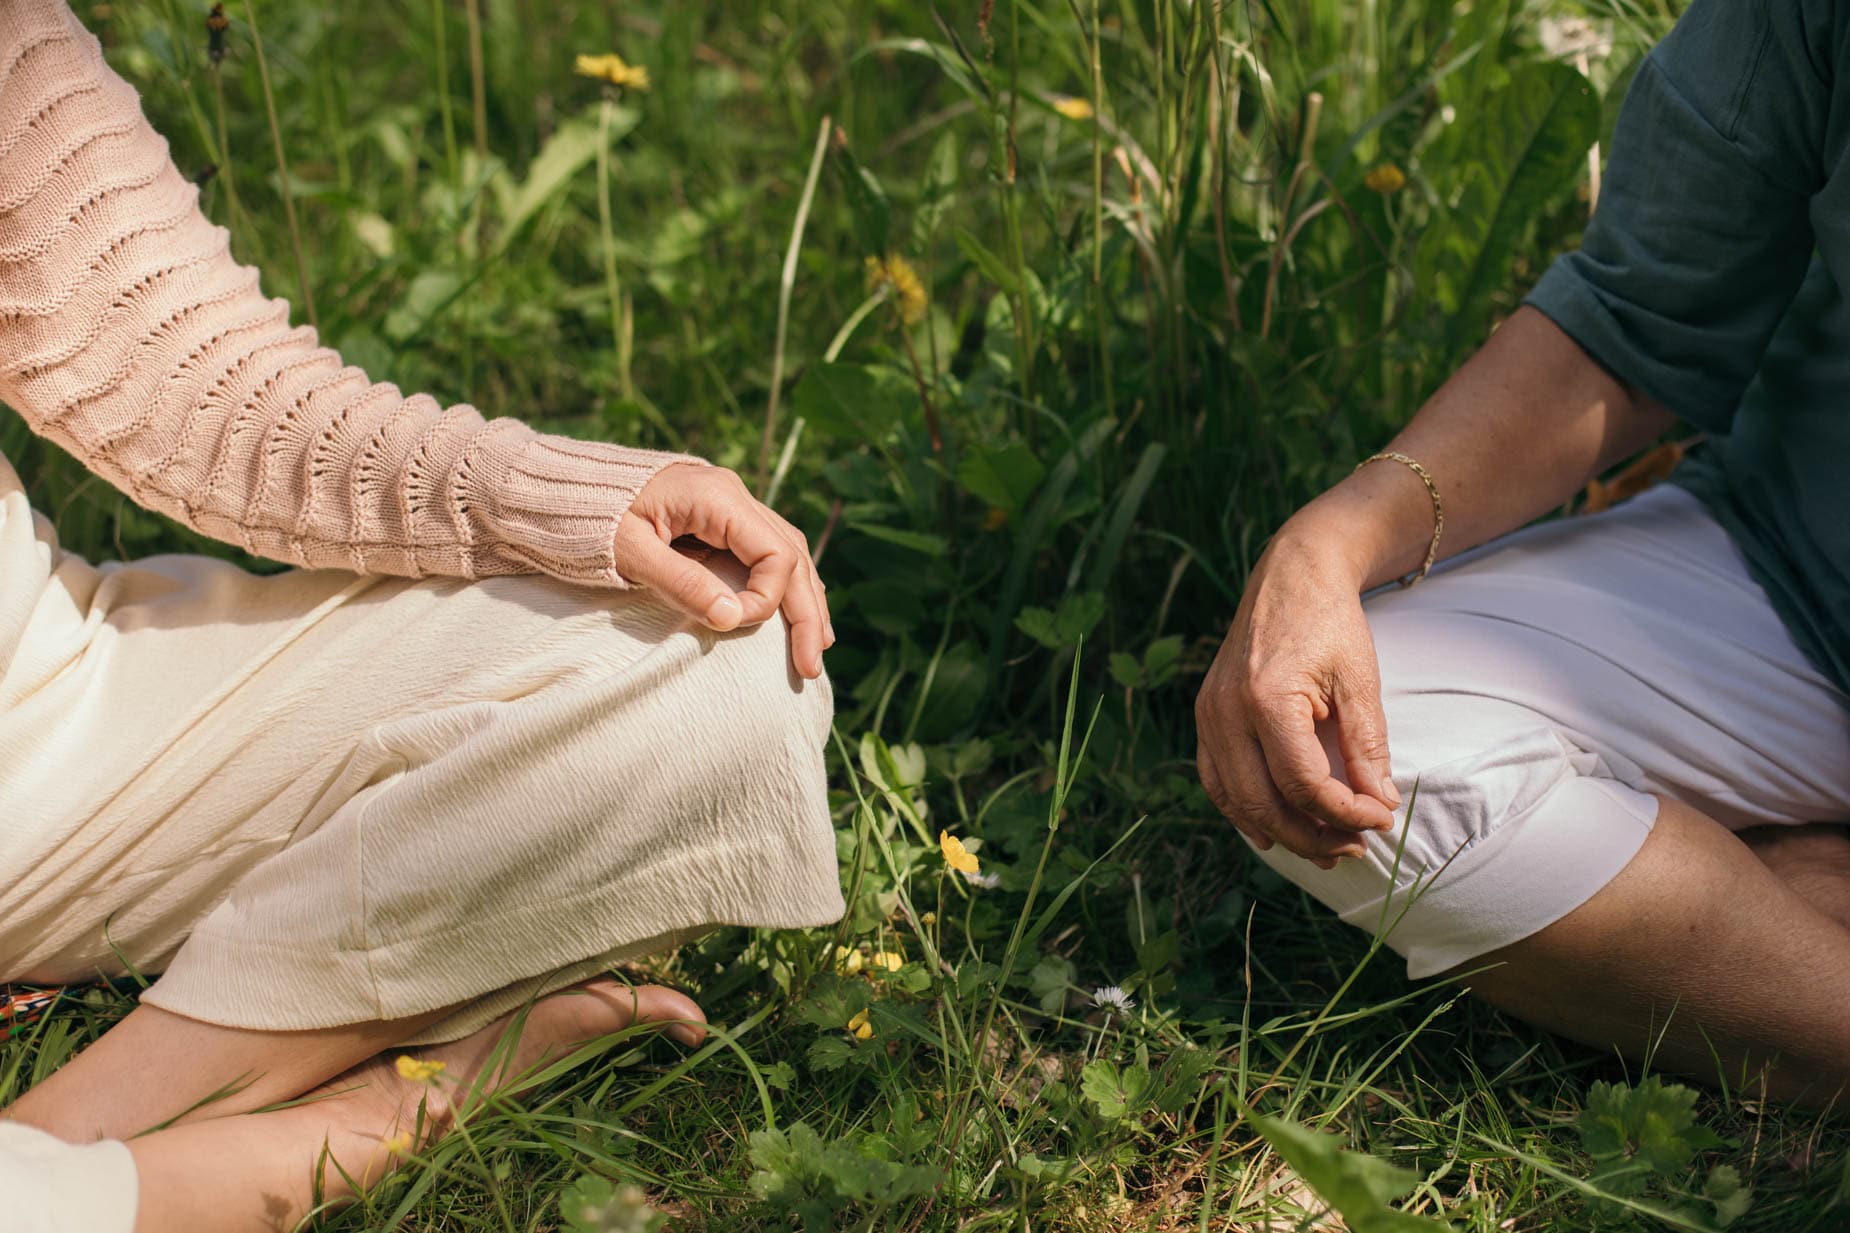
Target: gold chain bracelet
x,y
1438,508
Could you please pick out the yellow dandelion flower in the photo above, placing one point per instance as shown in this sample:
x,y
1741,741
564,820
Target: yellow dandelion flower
x,y
908,288
929,919
1385,178
956,855
859,1027
612,68
417,1070
887,961
1073,108
399,1144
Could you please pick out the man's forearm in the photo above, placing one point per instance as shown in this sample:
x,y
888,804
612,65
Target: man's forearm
x,y
1516,431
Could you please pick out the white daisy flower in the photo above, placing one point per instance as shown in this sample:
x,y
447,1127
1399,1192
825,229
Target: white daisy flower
x,y
1113,1000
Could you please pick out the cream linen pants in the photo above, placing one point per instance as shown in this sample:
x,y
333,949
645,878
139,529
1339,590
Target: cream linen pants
x,y
1543,692
315,798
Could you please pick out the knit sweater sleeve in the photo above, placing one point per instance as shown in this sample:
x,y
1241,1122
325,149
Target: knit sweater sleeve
x,y
130,336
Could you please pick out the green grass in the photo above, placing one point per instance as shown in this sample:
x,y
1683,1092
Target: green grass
x,y
1147,340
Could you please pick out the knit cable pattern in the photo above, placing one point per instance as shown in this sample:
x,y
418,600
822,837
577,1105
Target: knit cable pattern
x,y
130,336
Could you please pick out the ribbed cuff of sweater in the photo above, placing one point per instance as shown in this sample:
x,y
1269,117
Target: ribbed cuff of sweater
x,y
552,503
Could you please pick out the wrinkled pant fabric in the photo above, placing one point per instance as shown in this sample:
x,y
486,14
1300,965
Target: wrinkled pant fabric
x,y
1543,692
314,799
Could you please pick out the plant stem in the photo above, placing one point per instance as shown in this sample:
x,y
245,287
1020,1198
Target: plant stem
x,y
224,144
619,309
443,88
786,282
478,82
282,168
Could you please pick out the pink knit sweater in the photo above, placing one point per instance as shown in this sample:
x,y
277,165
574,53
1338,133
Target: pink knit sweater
x,y
130,336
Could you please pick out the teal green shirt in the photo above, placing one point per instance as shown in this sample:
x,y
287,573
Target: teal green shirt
x,y
1712,277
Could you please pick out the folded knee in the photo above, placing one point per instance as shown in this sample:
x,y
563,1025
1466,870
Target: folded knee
x,y
1491,846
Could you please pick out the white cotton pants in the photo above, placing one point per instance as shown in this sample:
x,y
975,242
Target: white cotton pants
x,y
1543,692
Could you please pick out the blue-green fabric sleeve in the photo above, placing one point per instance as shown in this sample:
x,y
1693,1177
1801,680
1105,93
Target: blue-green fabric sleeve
x,y
1702,231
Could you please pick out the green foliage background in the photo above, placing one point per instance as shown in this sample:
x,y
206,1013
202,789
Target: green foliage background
x,y
1149,334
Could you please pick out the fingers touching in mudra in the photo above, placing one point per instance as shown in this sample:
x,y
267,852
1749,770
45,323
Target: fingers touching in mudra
x,y
1299,656
713,505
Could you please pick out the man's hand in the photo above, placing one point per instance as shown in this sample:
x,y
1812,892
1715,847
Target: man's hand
x,y
713,505
1298,654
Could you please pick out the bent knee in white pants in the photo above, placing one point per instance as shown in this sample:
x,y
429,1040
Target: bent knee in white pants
x,y
1543,692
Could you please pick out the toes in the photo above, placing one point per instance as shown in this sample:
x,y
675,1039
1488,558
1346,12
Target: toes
x,y
678,1014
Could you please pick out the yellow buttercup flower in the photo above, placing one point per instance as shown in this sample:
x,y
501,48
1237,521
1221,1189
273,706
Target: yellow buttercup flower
x,y
908,288
1073,108
887,960
417,1070
859,1027
1385,178
956,855
614,69
399,1144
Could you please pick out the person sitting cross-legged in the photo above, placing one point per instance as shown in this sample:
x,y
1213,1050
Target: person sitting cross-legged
x,y
496,734
1629,732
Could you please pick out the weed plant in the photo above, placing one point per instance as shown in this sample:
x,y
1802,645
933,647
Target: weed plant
x,y
1038,317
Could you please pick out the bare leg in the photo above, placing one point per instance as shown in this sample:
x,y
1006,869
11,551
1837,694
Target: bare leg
x,y
1697,953
1813,860
260,1170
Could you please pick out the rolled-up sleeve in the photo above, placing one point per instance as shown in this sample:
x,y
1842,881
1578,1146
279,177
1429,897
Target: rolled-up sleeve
x,y
1702,232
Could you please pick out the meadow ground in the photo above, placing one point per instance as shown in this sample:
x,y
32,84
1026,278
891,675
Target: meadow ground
x,y
1037,317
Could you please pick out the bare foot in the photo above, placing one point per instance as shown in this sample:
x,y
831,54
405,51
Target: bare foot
x,y
268,1170
413,1096
1813,860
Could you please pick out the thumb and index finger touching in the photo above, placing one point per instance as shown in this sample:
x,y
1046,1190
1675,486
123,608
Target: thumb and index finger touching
x,y
1363,797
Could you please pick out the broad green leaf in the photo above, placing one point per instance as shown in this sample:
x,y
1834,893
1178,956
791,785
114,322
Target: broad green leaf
x,y
1653,1123
1160,660
1074,619
918,541
830,1053
569,148
887,605
851,401
594,1204
1050,980
1078,615
1528,144
867,203
1725,1191
958,682
944,57
1112,1091
1039,624
892,767
429,294
986,261
1358,1186
1005,478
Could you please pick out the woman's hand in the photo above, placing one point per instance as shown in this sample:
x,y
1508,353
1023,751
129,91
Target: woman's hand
x,y
1299,653
713,505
